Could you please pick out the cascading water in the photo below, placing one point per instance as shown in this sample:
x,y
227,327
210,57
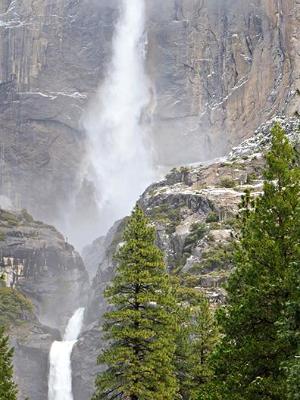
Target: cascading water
x,y
60,375
119,149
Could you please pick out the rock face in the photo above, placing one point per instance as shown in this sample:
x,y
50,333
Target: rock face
x,y
52,57
42,265
37,263
93,255
194,210
218,69
32,343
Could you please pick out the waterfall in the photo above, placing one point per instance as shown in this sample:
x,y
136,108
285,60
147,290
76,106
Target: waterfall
x,y
119,149
60,375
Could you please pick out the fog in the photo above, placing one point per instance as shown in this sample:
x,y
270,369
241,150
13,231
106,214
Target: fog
x,y
119,161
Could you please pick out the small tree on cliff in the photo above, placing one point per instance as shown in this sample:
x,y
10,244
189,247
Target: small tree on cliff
x,y
260,323
8,389
142,325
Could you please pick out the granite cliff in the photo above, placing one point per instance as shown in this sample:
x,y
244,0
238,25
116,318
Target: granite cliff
x,y
218,69
44,282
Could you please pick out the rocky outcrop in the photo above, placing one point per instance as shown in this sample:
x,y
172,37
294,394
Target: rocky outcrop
x,y
45,281
84,361
194,210
93,255
38,261
218,69
32,342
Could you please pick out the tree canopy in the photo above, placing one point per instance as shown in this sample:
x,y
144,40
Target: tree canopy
x,y
260,323
142,323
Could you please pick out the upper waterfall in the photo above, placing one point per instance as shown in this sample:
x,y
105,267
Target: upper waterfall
x,y
119,160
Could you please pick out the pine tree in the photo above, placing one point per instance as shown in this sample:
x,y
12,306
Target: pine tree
x,y
8,389
250,359
196,339
289,328
141,327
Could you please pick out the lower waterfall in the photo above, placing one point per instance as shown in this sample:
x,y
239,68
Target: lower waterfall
x,y
60,375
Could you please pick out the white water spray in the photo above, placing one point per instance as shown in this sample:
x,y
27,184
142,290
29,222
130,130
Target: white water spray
x,y
60,375
119,149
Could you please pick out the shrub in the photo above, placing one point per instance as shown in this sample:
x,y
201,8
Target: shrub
x,y
14,307
219,258
250,178
198,231
227,183
26,216
212,217
168,215
8,218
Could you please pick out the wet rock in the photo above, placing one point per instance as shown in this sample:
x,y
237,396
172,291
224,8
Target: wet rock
x,y
37,263
43,266
93,256
84,365
32,343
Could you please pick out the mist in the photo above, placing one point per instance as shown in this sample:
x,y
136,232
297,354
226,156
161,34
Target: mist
x,y
119,161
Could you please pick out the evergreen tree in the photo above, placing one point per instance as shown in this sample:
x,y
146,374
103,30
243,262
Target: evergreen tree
x,y
262,290
289,329
8,389
196,339
141,327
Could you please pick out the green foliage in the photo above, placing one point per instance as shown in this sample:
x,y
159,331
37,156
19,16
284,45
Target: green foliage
x,y
8,389
2,280
142,325
8,218
14,307
217,258
184,170
227,183
251,177
118,236
167,214
260,324
197,233
212,217
233,165
26,216
232,223
197,337
292,371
